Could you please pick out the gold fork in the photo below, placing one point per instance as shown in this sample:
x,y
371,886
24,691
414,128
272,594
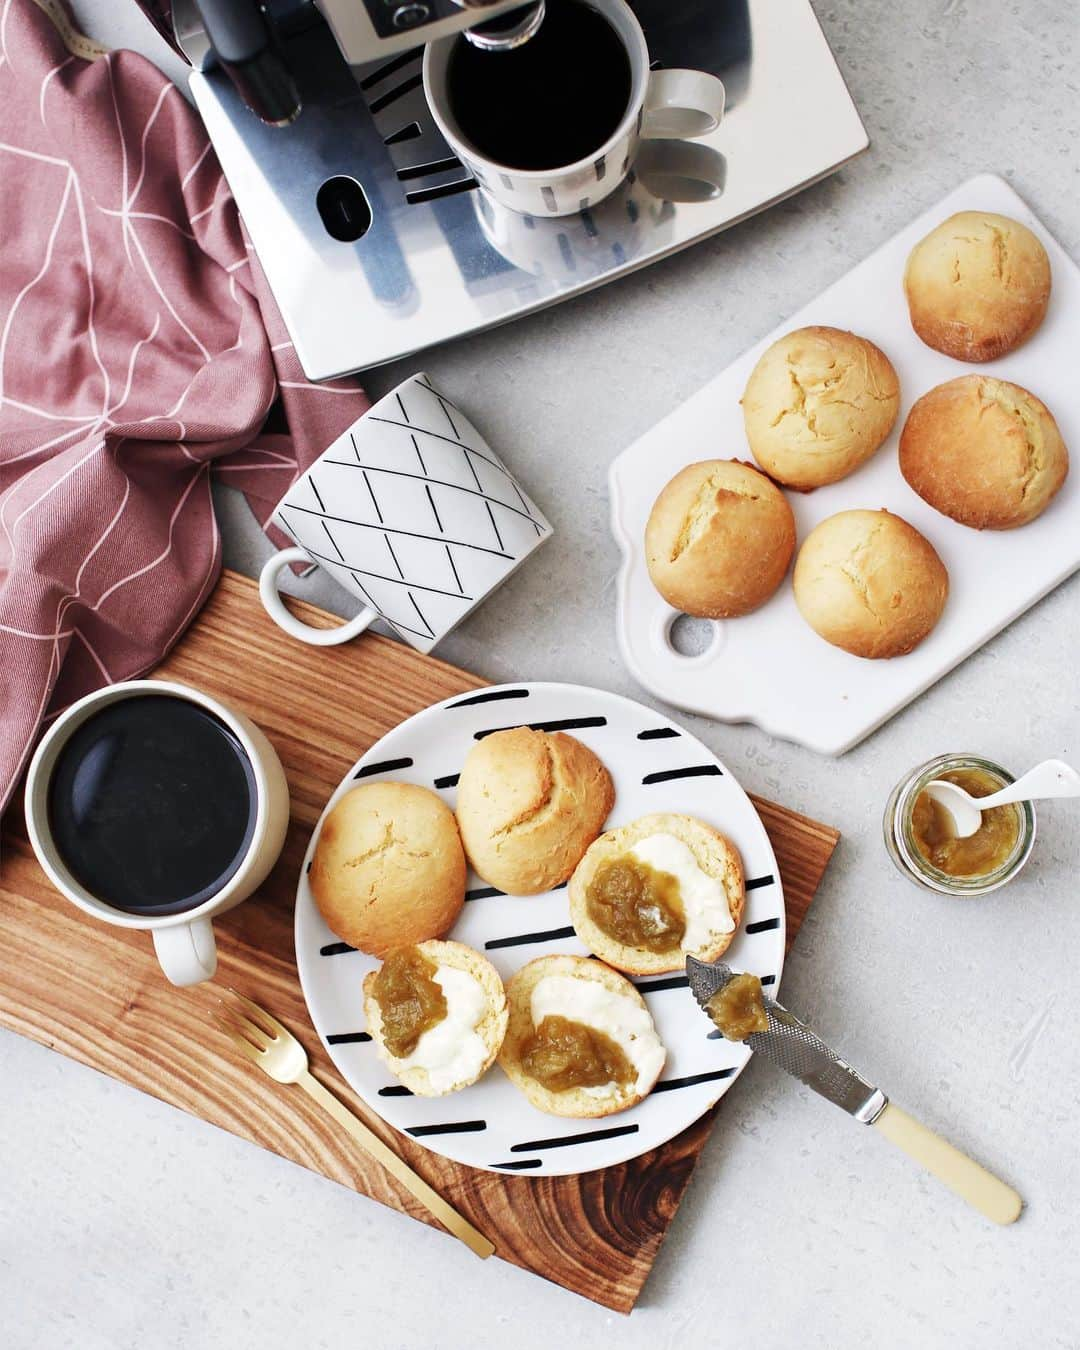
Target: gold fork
x,y
263,1039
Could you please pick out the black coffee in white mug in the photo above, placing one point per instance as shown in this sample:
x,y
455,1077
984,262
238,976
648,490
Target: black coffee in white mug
x,y
552,101
551,128
152,805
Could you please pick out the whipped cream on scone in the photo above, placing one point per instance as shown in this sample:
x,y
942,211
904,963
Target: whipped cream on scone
x,y
461,994
650,893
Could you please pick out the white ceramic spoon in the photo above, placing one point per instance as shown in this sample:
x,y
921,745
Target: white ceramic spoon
x,y
1052,778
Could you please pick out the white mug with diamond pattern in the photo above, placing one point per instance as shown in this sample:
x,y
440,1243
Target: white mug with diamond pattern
x,y
413,513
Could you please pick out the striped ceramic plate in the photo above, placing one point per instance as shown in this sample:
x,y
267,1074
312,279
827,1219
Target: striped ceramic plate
x,y
656,767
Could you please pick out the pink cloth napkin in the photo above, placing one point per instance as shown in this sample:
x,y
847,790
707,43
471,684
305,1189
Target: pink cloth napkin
x,y
140,350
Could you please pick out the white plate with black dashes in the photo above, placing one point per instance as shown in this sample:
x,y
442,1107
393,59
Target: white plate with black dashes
x,y
656,767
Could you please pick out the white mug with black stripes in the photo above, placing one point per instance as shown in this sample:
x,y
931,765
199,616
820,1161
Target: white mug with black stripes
x,y
413,513
663,104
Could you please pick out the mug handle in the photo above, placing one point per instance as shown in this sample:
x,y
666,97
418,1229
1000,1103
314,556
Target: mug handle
x,y
272,603
187,953
682,105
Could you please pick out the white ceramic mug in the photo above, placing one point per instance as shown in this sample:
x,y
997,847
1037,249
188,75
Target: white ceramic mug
x,y
184,942
664,105
413,513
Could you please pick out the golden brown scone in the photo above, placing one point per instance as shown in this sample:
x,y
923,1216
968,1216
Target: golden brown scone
x,y
869,582
590,993
529,804
818,404
455,1061
388,869
710,928
983,451
719,539
977,286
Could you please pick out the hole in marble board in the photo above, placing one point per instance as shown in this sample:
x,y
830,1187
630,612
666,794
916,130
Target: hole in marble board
x,y
691,637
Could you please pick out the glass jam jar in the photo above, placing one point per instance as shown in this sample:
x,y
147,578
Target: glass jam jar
x,y
900,838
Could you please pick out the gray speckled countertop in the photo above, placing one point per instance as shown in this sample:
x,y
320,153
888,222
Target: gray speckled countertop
x,y
124,1223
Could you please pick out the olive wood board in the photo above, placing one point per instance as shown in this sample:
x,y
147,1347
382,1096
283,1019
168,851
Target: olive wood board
x,y
96,994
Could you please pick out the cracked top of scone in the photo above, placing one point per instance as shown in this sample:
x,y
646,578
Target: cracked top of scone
x,y
389,868
529,804
983,451
869,582
719,539
977,286
818,404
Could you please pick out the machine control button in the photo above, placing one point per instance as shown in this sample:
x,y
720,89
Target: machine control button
x,y
409,15
343,206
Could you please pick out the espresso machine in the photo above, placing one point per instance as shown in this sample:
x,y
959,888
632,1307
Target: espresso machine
x,y
249,39
375,239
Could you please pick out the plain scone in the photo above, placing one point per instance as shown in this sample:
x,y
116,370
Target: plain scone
x,y
713,853
389,868
977,286
576,1102
529,804
491,1028
818,404
719,539
869,582
984,452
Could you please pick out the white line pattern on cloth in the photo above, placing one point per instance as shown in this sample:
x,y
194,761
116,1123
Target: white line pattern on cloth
x,y
122,306
10,317
45,85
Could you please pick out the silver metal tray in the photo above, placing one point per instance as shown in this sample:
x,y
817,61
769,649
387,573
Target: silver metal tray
x,y
439,259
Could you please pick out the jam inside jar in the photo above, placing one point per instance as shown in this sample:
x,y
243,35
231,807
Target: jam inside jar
x,y
562,1054
637,905
981,853
922,844
410,1001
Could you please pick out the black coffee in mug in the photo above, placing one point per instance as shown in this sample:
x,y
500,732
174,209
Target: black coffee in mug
x,y
152,804
550,102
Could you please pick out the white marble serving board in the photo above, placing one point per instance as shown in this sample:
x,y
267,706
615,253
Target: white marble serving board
x,y
769,667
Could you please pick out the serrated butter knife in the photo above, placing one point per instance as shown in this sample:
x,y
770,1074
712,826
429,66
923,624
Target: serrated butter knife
x,y
793,1047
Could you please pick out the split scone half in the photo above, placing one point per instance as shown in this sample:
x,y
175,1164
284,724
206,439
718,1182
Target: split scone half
x,y
437,1014
580,1041
648,894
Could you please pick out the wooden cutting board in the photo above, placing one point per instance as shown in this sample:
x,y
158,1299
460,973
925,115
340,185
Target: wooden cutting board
x,y
95,992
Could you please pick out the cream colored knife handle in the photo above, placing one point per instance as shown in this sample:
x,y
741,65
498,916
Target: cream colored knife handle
x,y
970,1181
450,1219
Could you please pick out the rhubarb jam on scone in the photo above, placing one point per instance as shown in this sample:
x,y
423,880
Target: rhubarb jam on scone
x,y
653,892
437,1014
580,1041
